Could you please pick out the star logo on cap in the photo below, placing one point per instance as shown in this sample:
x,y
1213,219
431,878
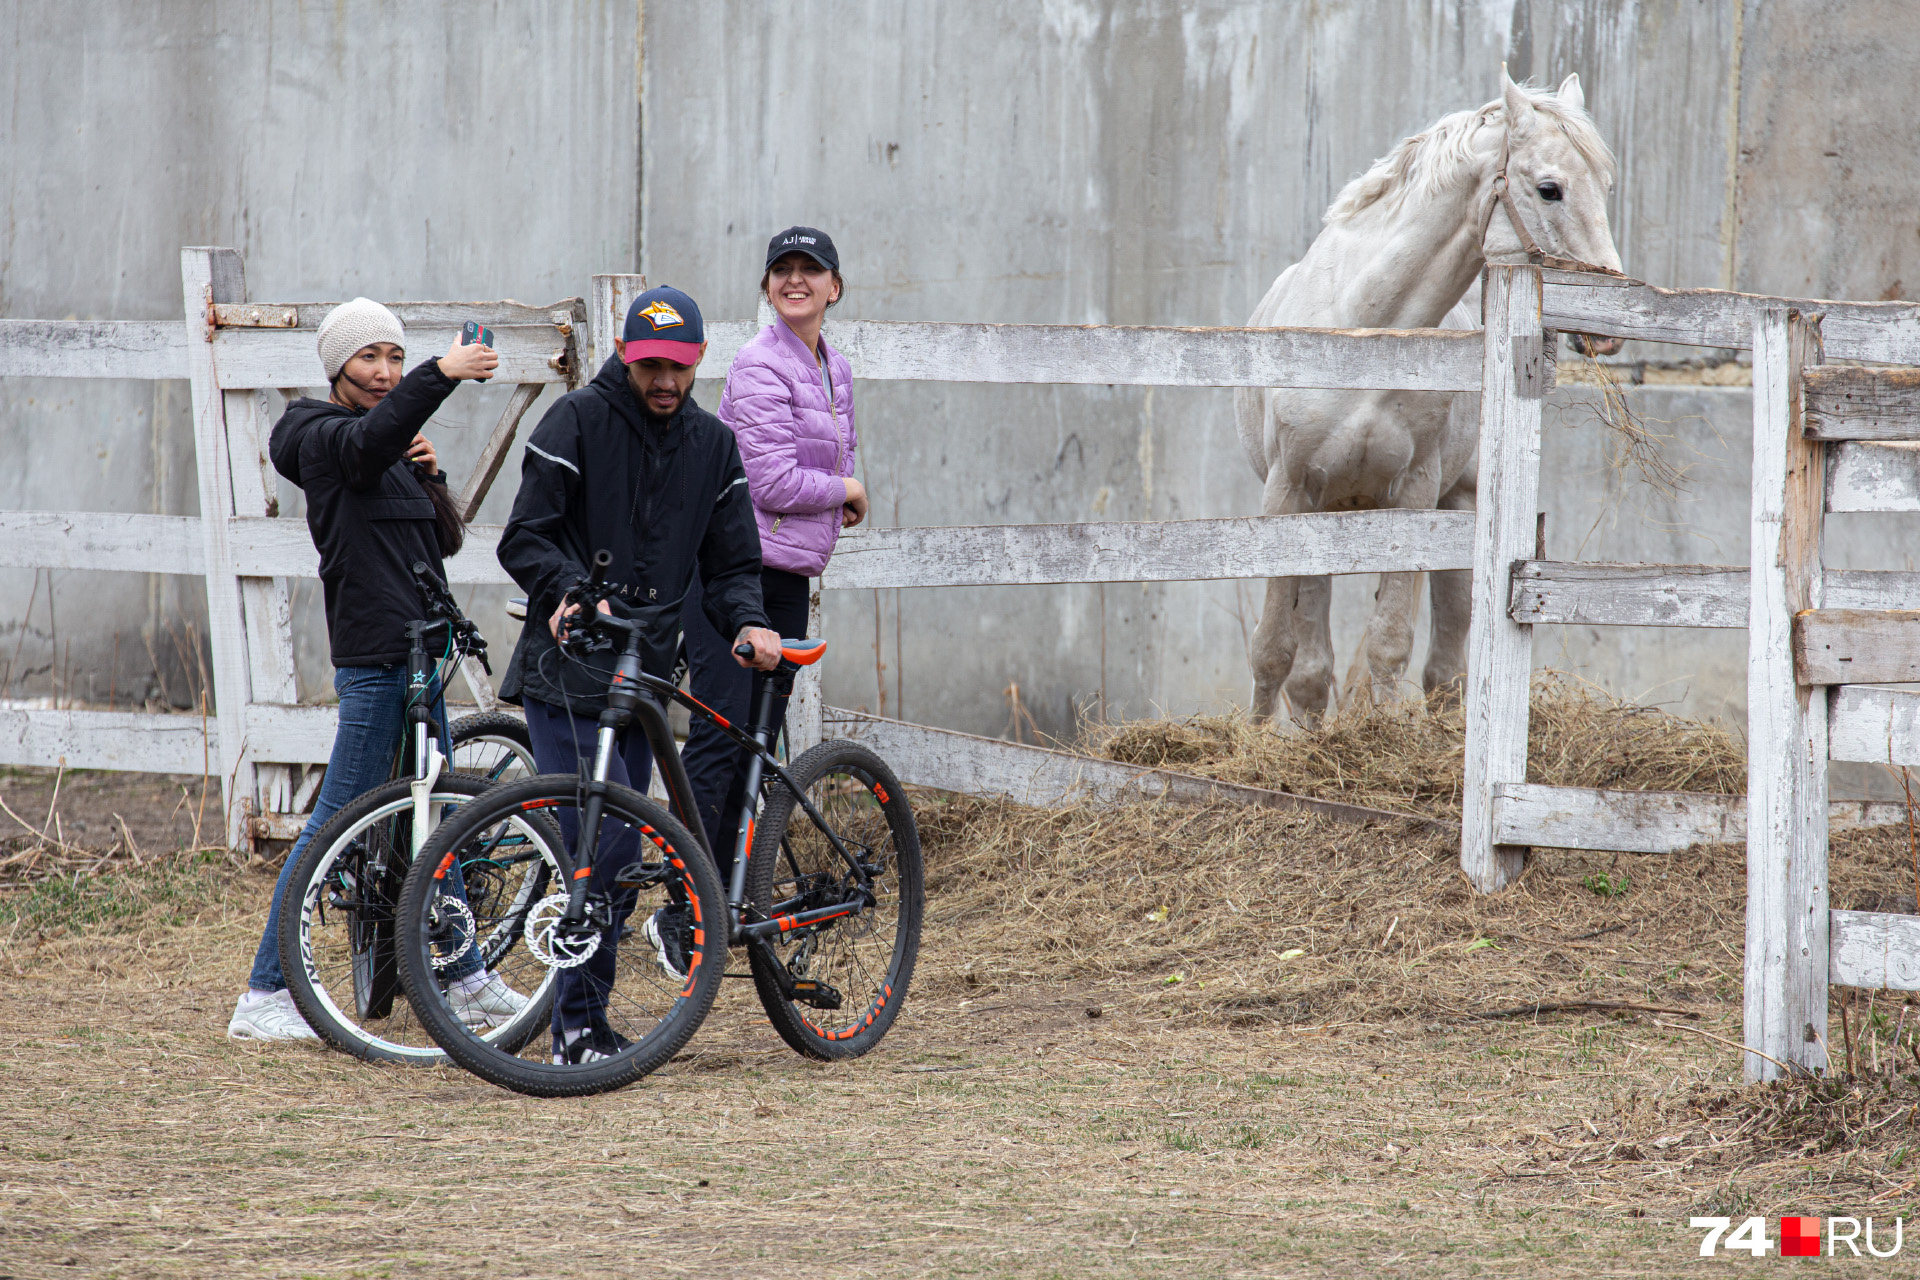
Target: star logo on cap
x,y
661,316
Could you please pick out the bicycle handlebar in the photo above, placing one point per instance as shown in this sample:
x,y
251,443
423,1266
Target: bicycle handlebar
x,y
442,606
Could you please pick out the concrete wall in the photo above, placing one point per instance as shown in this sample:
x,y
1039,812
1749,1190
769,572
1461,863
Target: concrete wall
x,y
1094,161
404,150
1113,162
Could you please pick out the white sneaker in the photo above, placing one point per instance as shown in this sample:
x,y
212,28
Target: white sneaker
x,y
487,1003
263,1016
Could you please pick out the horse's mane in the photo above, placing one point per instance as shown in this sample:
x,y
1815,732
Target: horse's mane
x,y
1431,159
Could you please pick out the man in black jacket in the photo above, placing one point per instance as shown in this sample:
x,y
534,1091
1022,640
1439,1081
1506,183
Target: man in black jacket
x,y
631,465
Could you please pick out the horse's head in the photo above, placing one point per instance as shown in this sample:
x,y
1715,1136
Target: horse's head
x,y
1556,172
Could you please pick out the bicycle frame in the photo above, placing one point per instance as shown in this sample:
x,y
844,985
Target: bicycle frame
x,y
625,705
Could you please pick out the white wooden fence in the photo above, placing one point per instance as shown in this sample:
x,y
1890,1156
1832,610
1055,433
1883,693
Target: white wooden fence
x,y
1809,673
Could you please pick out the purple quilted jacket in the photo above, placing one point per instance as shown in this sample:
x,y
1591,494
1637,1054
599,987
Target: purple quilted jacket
x,y
795,442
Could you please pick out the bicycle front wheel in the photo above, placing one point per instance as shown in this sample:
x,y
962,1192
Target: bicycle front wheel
x,y
630,985
833,983
338,938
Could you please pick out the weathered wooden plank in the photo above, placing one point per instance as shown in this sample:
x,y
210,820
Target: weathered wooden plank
x,y
101,540
289,733
208,276
109,740
1159,551
1624,821
1398,359
421,315
1648,821
1874,726
289,357
1873,477
607,305
1886,332
282,548
1597,593
1874,949
805,708
1856,646
1499,649
1863,404
93,349
265,602
1787,740
495,451
960,762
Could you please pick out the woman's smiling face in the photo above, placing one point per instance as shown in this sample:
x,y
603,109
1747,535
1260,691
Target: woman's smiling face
x,y
800,289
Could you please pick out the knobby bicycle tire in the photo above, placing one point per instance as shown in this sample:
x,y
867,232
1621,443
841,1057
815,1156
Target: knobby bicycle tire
x,y
646,1011
338,944
864,959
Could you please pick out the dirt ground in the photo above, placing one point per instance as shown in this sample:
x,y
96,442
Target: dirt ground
x,y
1284,1065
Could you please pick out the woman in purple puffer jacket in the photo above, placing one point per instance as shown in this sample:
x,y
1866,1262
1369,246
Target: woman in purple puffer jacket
x,y
789,403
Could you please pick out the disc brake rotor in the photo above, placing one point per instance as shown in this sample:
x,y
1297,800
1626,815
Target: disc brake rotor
x,y
452,920
549,944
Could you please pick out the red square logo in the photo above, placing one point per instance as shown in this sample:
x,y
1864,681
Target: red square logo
x,y
1799,1237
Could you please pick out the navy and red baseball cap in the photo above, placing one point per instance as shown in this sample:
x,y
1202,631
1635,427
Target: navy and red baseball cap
x,y
663,322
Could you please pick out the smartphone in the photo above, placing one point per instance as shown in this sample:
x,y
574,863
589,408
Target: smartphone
x,y
476,332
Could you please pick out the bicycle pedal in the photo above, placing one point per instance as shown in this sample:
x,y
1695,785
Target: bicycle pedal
x,y
639,875
817,994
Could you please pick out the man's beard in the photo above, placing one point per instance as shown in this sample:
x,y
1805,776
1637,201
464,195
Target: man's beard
x,y
646,407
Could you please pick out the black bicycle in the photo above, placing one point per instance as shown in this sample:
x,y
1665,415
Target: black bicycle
x,y
338,940
827,891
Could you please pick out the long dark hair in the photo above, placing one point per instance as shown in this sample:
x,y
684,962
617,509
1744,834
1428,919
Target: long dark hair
x,y
449,530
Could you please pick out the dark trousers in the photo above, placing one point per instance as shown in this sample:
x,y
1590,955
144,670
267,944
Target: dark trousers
x,y
565,744
712,762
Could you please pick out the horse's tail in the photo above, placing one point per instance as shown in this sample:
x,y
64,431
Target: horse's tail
x,y
1250,419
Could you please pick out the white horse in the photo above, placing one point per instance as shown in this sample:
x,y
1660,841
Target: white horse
x,y
1400,248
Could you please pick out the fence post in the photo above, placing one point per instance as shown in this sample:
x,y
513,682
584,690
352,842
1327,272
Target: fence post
x,y
1500,650
1786,953
208,276
805,711
606,313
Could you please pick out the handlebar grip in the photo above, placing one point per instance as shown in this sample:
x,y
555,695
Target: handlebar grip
x,y
419,568
601,560
743,650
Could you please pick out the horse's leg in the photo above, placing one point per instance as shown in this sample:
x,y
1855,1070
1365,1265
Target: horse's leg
x,y
1273,642
1310,684
1389,634
1452,597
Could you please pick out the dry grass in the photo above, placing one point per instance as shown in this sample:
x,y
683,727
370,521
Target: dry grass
x,y
1141,1042
1406,757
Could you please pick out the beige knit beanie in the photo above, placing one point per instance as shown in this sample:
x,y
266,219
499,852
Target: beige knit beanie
x,y
353,325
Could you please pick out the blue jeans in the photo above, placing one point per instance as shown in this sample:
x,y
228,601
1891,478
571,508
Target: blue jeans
x,y
564,743
373,719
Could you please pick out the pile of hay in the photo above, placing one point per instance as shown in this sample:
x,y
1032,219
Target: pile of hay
x,y
1406,757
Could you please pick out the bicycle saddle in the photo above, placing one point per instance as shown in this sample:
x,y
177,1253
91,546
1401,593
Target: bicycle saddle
x,y
803,653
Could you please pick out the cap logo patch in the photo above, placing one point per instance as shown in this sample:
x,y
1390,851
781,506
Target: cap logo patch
x,y
661,316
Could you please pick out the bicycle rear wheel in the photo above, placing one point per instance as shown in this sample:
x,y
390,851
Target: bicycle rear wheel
x,y
620,1008
338,943
492,745
833,988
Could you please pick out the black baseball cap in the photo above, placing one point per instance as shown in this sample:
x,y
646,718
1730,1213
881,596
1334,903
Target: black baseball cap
x,y
812,241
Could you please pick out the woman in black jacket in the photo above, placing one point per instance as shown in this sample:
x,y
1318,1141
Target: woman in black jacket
x,y
376,503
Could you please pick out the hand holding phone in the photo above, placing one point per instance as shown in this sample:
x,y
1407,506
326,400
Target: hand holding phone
x,y
471,355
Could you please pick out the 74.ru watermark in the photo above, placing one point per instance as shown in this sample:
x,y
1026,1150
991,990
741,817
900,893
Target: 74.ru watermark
x,y
1799,1236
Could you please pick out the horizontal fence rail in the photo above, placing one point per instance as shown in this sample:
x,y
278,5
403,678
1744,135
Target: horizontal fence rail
x,y
1383,359
1884,332
1647,821
1597,593
1164,551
